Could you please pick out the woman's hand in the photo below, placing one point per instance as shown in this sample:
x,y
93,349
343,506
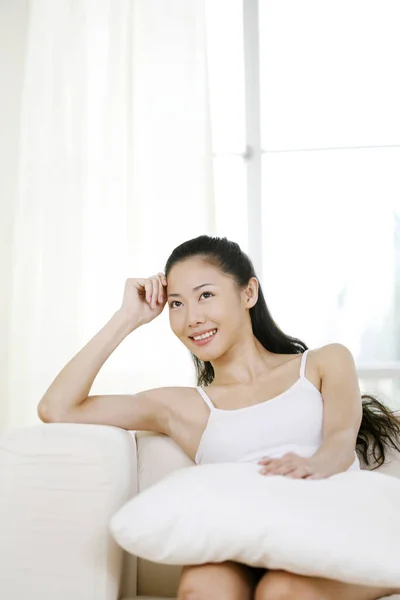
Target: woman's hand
x,y
144,299
295,466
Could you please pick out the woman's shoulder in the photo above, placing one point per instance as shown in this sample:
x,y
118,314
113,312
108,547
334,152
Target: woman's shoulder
x,y
177,399
170,395
181,406
331,357
329,351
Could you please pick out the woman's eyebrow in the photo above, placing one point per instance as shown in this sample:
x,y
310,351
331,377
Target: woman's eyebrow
x,y
194,289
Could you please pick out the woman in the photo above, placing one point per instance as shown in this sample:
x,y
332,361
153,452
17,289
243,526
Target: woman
x,y
269,399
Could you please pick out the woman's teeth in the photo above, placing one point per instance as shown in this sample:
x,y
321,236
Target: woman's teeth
x,y
205,335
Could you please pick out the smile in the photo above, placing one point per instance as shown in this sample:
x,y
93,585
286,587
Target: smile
x,y
201,340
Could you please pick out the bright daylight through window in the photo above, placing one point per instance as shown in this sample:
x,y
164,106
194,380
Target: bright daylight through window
x,y
305,116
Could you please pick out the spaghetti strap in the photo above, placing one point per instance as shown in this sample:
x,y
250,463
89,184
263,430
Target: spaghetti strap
x,y
205,397
303,365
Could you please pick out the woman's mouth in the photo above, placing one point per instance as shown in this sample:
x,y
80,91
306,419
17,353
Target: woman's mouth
x,y
202,340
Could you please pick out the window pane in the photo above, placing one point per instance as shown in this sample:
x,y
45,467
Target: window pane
x,y
331,225
224,28
230,197
329,73
386,390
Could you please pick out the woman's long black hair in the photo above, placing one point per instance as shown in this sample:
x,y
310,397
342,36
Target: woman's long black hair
x,y
379,430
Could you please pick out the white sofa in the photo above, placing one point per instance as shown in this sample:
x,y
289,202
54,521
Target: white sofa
x,y
59,485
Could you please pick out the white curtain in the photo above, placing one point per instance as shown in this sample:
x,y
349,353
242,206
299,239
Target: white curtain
x,y
114,170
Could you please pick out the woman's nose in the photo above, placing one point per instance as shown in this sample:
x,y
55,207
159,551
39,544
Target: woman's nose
x,y
194,316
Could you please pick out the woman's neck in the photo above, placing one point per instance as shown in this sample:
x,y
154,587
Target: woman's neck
x,y
244,363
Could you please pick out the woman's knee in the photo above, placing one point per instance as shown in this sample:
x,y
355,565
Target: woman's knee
x,y
274,586
219,581
281,585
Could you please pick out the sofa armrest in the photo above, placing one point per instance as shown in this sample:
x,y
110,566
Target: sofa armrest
x,y
59,485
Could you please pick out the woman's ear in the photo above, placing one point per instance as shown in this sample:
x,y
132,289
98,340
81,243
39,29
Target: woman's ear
x,y
250,294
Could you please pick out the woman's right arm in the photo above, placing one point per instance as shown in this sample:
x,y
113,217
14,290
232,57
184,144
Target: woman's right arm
x,y
67,399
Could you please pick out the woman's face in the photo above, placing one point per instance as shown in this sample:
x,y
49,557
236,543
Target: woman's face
x,y
204,300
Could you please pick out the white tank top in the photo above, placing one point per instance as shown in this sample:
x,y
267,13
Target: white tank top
x,y
290,422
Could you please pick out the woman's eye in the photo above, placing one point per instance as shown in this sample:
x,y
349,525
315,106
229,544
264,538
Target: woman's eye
x,y
175,302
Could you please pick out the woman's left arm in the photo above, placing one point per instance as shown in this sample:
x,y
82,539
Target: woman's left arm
x,y
341,420
342,411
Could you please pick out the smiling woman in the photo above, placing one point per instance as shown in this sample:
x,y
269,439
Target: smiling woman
x,y
209,314
236,287
270,400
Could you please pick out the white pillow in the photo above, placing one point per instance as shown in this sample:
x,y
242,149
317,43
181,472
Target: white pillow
x,y
346,527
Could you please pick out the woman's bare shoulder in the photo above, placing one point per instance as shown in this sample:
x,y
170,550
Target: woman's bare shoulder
x,y
175,405
332,357
169,392
174,400
168,395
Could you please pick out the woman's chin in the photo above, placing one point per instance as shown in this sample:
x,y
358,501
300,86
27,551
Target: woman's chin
x,y
206,354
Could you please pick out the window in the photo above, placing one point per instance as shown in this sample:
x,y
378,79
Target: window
x,y
306,139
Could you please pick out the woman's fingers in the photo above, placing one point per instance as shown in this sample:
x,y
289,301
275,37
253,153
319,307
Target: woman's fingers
x,y
161,279
154,294
158,289
289,464
154,289
301,473
148,286
282,470
315,476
